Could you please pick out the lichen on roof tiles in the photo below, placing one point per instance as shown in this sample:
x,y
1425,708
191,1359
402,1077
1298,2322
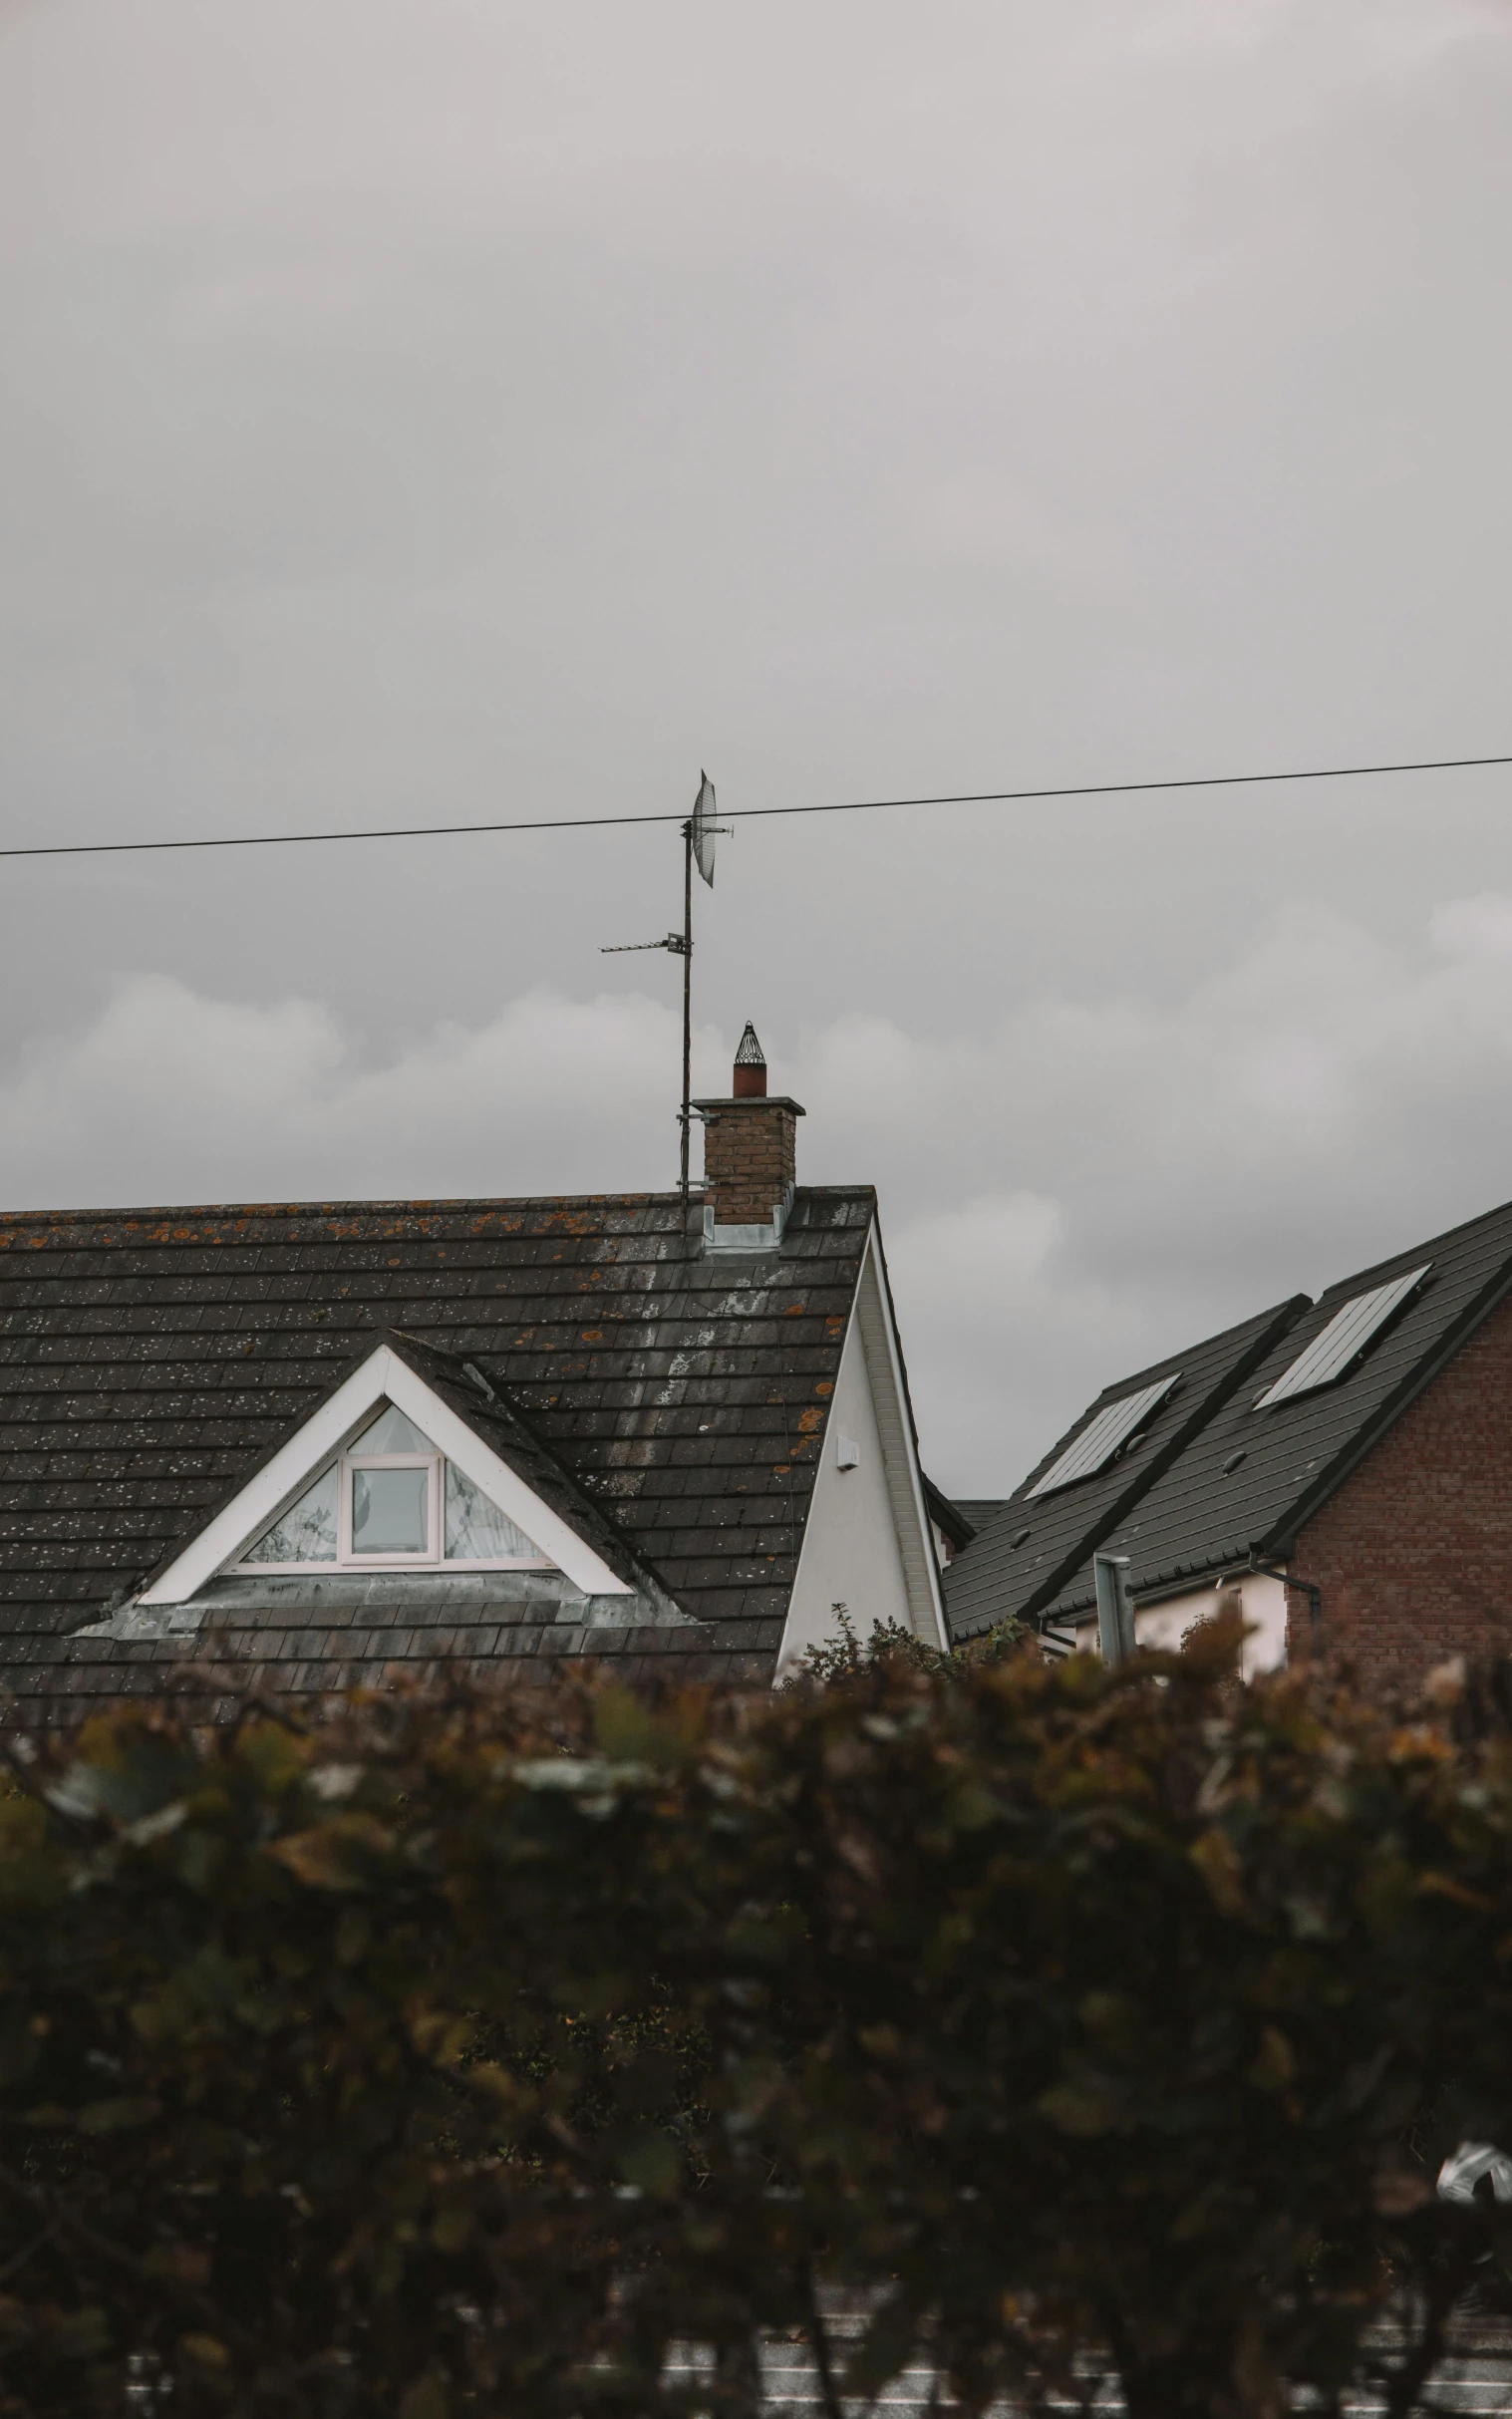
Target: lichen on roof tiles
x,y
139,1347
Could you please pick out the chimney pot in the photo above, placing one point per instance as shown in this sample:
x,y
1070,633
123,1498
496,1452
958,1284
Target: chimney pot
x,y
750,1079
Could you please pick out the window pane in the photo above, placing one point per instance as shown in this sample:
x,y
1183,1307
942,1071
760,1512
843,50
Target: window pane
x,y
392,1432
306,1532
476,1529
388,1509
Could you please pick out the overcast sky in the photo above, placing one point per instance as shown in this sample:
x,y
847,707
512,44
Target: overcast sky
x,y
452,408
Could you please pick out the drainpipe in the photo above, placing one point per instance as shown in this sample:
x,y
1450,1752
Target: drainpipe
x,y
1305,1587
1115,1606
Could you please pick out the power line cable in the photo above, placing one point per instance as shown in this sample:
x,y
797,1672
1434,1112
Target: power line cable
x,y
599,822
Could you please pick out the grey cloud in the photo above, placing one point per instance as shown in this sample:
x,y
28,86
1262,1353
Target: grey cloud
x,y
1085,1185
451,408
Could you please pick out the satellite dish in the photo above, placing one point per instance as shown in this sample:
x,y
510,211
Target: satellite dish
x,y
704,829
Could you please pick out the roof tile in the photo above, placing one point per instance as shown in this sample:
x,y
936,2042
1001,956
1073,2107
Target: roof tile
x,y
150,1360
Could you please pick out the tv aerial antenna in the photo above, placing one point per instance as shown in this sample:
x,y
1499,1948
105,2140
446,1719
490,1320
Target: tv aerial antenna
x,y
698,849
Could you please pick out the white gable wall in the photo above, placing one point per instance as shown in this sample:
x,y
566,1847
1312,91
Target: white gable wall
x,y
866,1542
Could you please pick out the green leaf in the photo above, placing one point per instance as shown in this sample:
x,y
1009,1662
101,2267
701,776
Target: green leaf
x,y
654,2165
117,2116
205,2352
1082,2109
427,2398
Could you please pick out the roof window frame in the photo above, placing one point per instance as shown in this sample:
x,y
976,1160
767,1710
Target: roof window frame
x,y
348,1463
349,1467
1099,1441
1308,1373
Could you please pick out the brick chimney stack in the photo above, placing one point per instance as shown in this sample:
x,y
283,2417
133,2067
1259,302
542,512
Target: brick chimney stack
x,y
750,1156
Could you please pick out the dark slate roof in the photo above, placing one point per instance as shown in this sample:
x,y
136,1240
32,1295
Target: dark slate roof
x,y
281,1633
1202,1516
152,1359
1032,1545
950,1518
978,1510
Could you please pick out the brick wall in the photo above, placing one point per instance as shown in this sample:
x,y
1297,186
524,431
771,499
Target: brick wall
x,y
1414,1553
750,1159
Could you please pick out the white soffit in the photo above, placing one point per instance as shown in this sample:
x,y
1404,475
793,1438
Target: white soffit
x,y
1100,1440
382,1377
1342,1340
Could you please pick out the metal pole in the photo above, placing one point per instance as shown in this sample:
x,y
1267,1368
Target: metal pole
x,y
686,997
1115,1606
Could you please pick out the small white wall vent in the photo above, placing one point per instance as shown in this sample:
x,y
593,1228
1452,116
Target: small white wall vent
x,y
848,1452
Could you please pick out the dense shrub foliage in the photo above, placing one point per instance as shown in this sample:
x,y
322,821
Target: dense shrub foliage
x,y
463,2056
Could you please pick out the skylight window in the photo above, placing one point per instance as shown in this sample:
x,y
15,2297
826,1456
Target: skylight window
x,y
393,1501
1101,1439
1342,1342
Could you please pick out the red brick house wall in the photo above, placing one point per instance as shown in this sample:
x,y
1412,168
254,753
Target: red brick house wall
x,y
1414,1554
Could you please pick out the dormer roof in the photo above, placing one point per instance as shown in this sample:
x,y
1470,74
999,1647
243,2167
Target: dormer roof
x,y
441,1396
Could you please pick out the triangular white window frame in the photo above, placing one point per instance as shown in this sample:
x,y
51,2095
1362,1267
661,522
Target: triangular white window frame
x,y
383,1376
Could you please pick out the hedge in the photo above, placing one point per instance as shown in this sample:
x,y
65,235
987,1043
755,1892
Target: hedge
x,y
469,2053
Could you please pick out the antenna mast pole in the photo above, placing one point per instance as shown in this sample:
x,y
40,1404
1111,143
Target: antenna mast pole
x,y
698,849
687,1114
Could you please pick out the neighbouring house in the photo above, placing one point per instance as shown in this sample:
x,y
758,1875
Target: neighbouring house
x,y
976,1511
286,1449
1339,1470
952,1525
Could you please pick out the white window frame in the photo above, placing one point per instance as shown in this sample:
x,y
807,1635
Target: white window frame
x,y
349,1557
347,1469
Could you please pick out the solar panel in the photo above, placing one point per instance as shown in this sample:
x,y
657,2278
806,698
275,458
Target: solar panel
x,y
1342,1340
1100,1438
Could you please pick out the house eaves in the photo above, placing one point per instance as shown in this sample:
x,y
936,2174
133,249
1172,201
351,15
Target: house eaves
x,y
1249,1483
988,1584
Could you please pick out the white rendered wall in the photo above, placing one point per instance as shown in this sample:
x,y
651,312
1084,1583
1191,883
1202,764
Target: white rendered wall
x,y
851,1554
1260,1599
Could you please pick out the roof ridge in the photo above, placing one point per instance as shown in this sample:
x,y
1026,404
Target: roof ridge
x,y
1119,1386
319,1209
424,1204
1409,1252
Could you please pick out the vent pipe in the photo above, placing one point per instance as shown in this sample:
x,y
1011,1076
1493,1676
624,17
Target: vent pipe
x,y
1115,1606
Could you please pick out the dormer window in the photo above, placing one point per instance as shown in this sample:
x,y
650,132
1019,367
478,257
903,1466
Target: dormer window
x,y
392,1501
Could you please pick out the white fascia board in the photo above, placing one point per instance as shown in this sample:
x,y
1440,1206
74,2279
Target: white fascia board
x,y
382,1377
880,1335
557,1539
